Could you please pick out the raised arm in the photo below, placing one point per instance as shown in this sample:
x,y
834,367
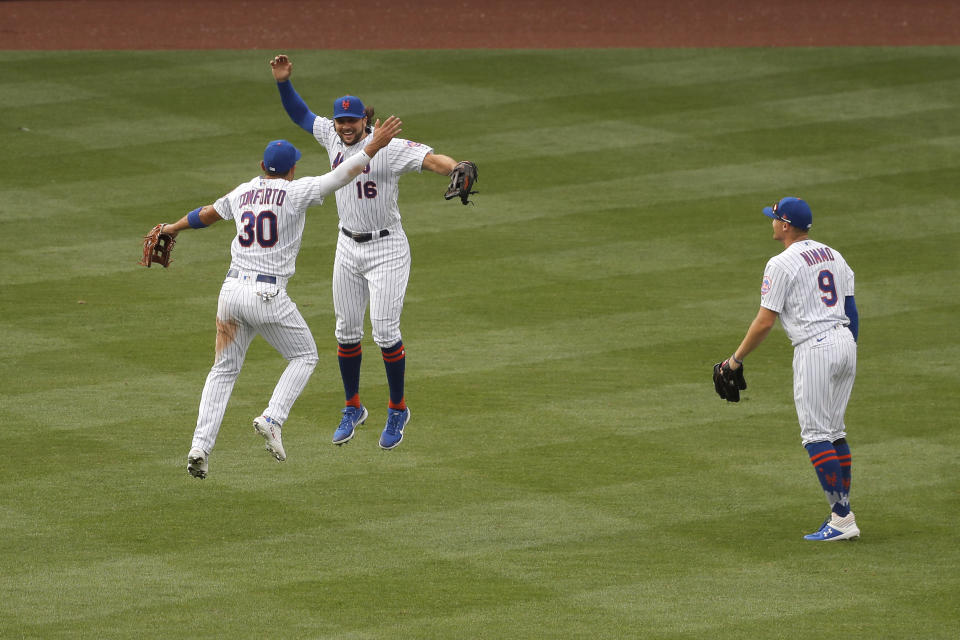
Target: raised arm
x,y
296,108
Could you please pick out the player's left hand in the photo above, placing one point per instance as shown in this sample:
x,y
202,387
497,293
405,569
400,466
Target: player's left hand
x,y
462,179
728,382
157,247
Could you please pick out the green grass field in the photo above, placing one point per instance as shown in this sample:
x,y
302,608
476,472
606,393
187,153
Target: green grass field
x,y
568,471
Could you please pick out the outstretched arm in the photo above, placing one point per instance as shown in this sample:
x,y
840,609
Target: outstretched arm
x,y
196,219
439,163
296,108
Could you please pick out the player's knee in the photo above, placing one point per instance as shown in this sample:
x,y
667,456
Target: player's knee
x,y
226,369
388,343
348,337
385,335
309,360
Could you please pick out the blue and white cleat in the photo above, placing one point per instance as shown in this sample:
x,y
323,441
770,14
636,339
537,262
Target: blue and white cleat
x,y
393,432
352,418
836,528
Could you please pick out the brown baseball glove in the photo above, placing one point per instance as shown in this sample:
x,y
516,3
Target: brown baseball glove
x,y
461,181
157,247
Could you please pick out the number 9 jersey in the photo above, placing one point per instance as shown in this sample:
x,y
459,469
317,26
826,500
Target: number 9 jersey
x,y
806,285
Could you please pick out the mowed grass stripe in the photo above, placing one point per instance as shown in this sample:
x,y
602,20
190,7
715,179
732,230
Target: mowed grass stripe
x,y
568,471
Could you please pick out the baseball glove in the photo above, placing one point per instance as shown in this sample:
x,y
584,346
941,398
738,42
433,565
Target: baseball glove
x,y
157,247
461,181
727,382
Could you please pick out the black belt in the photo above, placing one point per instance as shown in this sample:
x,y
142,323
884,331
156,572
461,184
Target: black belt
x,y
364,237
233,273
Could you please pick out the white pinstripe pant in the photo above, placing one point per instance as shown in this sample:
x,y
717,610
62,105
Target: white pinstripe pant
x,y
824,368
376,272
241,315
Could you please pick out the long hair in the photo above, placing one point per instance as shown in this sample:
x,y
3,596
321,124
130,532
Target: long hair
x,y
368,114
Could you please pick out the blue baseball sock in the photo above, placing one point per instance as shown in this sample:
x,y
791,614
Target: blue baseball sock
x,y
395,361
350,356
824,458
846,469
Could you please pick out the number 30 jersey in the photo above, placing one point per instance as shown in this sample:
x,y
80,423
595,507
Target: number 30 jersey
x,y
806,284
369,202
270,216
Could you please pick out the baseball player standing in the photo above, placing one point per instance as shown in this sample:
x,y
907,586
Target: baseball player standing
x,y
269,213
372,263
809,286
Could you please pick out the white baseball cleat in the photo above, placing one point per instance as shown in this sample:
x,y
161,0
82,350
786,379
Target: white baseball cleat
x,y
197,463
836,528
270,430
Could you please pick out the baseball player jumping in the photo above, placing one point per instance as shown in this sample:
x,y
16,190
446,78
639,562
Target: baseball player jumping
x,y
269,213
809,286
372,263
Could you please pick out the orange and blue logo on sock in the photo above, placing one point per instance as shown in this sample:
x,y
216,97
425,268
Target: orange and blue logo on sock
x,y
825,460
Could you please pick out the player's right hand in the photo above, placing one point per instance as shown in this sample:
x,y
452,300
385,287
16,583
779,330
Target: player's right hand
x,y
281,67
383,134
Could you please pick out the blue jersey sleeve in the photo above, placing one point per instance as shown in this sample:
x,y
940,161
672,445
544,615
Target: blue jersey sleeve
x,y
850,308
296,108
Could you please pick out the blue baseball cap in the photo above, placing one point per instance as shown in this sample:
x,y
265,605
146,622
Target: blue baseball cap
x,y
794,211
280,156
348,107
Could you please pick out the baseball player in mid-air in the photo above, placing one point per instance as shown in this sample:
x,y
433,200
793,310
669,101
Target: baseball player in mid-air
x,y
372,263
269,213
809,286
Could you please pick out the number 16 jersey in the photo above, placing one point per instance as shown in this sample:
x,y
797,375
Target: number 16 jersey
x,y
807,284
369,202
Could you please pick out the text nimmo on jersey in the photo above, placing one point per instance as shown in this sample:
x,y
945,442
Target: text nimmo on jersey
x,y
816,256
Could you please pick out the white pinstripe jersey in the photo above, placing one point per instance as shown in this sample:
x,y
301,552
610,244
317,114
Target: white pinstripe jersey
x,y
806,284
269,214
370,202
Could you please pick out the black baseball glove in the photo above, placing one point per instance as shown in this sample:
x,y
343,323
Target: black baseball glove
x,y
727,382
461,181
